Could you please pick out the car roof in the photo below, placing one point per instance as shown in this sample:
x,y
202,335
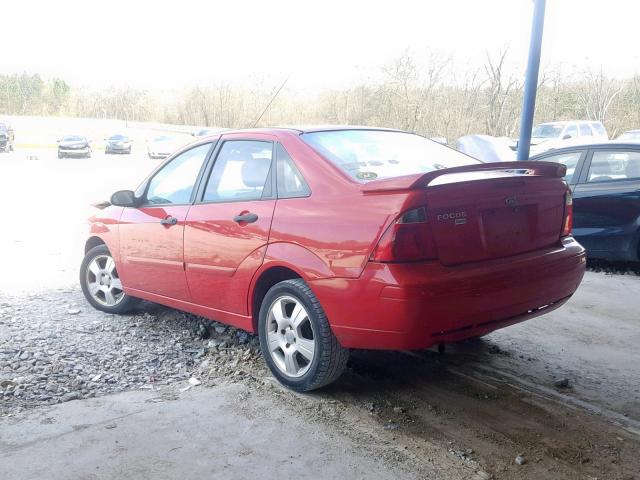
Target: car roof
x,y
597,146
308,129
565,122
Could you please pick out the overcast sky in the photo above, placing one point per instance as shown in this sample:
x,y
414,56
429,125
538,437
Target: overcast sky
x,y
328,43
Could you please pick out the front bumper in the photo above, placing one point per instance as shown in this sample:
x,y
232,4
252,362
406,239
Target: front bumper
x,y
417,305
116,149
83,152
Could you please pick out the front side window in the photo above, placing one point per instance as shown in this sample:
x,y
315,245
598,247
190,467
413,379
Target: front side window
x,y
240,172
174,182
606,166
370,154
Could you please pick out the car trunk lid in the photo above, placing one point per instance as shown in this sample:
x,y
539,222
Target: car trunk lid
x,y
480,212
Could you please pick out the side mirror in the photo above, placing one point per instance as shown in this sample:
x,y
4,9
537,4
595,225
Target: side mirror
x,y
124,198
567,136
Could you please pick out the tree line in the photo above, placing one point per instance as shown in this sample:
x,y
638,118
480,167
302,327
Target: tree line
x,y
429,99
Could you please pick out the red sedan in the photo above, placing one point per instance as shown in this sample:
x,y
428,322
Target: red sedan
x,y
326,239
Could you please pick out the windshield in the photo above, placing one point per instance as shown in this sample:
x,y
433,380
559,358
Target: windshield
x,y
73,138
117,137
548,130
370,154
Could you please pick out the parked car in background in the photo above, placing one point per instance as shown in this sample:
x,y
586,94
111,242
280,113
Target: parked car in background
x,y
486,148
605,179
322,240
7,137
550,135
205,132
630,136
74,146
161,146
117,144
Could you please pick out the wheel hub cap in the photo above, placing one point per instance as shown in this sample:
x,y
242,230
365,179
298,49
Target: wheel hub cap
x,y
103,281
290,336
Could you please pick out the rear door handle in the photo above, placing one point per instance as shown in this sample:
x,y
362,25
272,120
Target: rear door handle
x,y
246,218
169,221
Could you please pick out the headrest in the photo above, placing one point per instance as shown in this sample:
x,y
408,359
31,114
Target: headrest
x,y
633,168
255,171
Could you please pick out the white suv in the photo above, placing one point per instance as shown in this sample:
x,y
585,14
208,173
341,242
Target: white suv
x,y
546,136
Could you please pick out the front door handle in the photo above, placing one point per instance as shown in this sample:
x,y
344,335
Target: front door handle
x,y
169,221
246,218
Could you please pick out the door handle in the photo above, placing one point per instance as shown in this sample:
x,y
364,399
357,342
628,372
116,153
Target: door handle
x,y
246,218
169,221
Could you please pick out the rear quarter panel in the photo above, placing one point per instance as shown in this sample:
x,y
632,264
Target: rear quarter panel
x,y
337,224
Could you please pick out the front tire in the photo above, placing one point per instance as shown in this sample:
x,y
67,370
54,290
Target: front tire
x,y
101,283
296,339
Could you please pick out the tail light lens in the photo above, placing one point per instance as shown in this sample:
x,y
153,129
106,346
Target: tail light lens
x,y
408,239
567,221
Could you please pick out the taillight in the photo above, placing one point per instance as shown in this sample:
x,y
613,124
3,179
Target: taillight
x,y
407,239
567,221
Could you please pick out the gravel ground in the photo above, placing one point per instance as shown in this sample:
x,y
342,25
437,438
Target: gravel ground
x,y
54,348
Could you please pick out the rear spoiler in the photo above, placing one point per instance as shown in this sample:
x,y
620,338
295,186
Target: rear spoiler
x,y
409,182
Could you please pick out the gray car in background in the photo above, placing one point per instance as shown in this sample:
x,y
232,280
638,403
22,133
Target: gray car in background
x,y
6,137
117,144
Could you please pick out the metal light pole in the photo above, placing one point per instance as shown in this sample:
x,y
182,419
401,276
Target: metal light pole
x,y
531,80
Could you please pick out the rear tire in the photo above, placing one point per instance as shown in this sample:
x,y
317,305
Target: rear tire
x,y
296,339
101,283
60,155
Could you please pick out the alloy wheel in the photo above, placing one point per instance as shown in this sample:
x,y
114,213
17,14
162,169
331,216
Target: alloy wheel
x,y
103,282
290,336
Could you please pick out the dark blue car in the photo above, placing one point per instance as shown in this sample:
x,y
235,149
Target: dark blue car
x,y
605,179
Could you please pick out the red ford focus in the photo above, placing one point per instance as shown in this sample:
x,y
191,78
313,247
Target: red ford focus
x,y
327,239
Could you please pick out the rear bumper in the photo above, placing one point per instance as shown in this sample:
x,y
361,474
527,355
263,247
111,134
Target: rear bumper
x,y
414,306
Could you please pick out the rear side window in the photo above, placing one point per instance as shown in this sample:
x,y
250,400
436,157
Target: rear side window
x,y
174,182
240,172
572,131
607,166
366,155
290,182
569,159
585,130
598,128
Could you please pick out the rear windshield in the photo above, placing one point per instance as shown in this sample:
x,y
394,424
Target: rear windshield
x,y
371,154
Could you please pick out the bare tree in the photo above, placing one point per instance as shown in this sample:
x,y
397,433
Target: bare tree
x,y
499,94
597,94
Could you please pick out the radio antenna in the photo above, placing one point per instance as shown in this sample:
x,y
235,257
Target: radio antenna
x,y
271,101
